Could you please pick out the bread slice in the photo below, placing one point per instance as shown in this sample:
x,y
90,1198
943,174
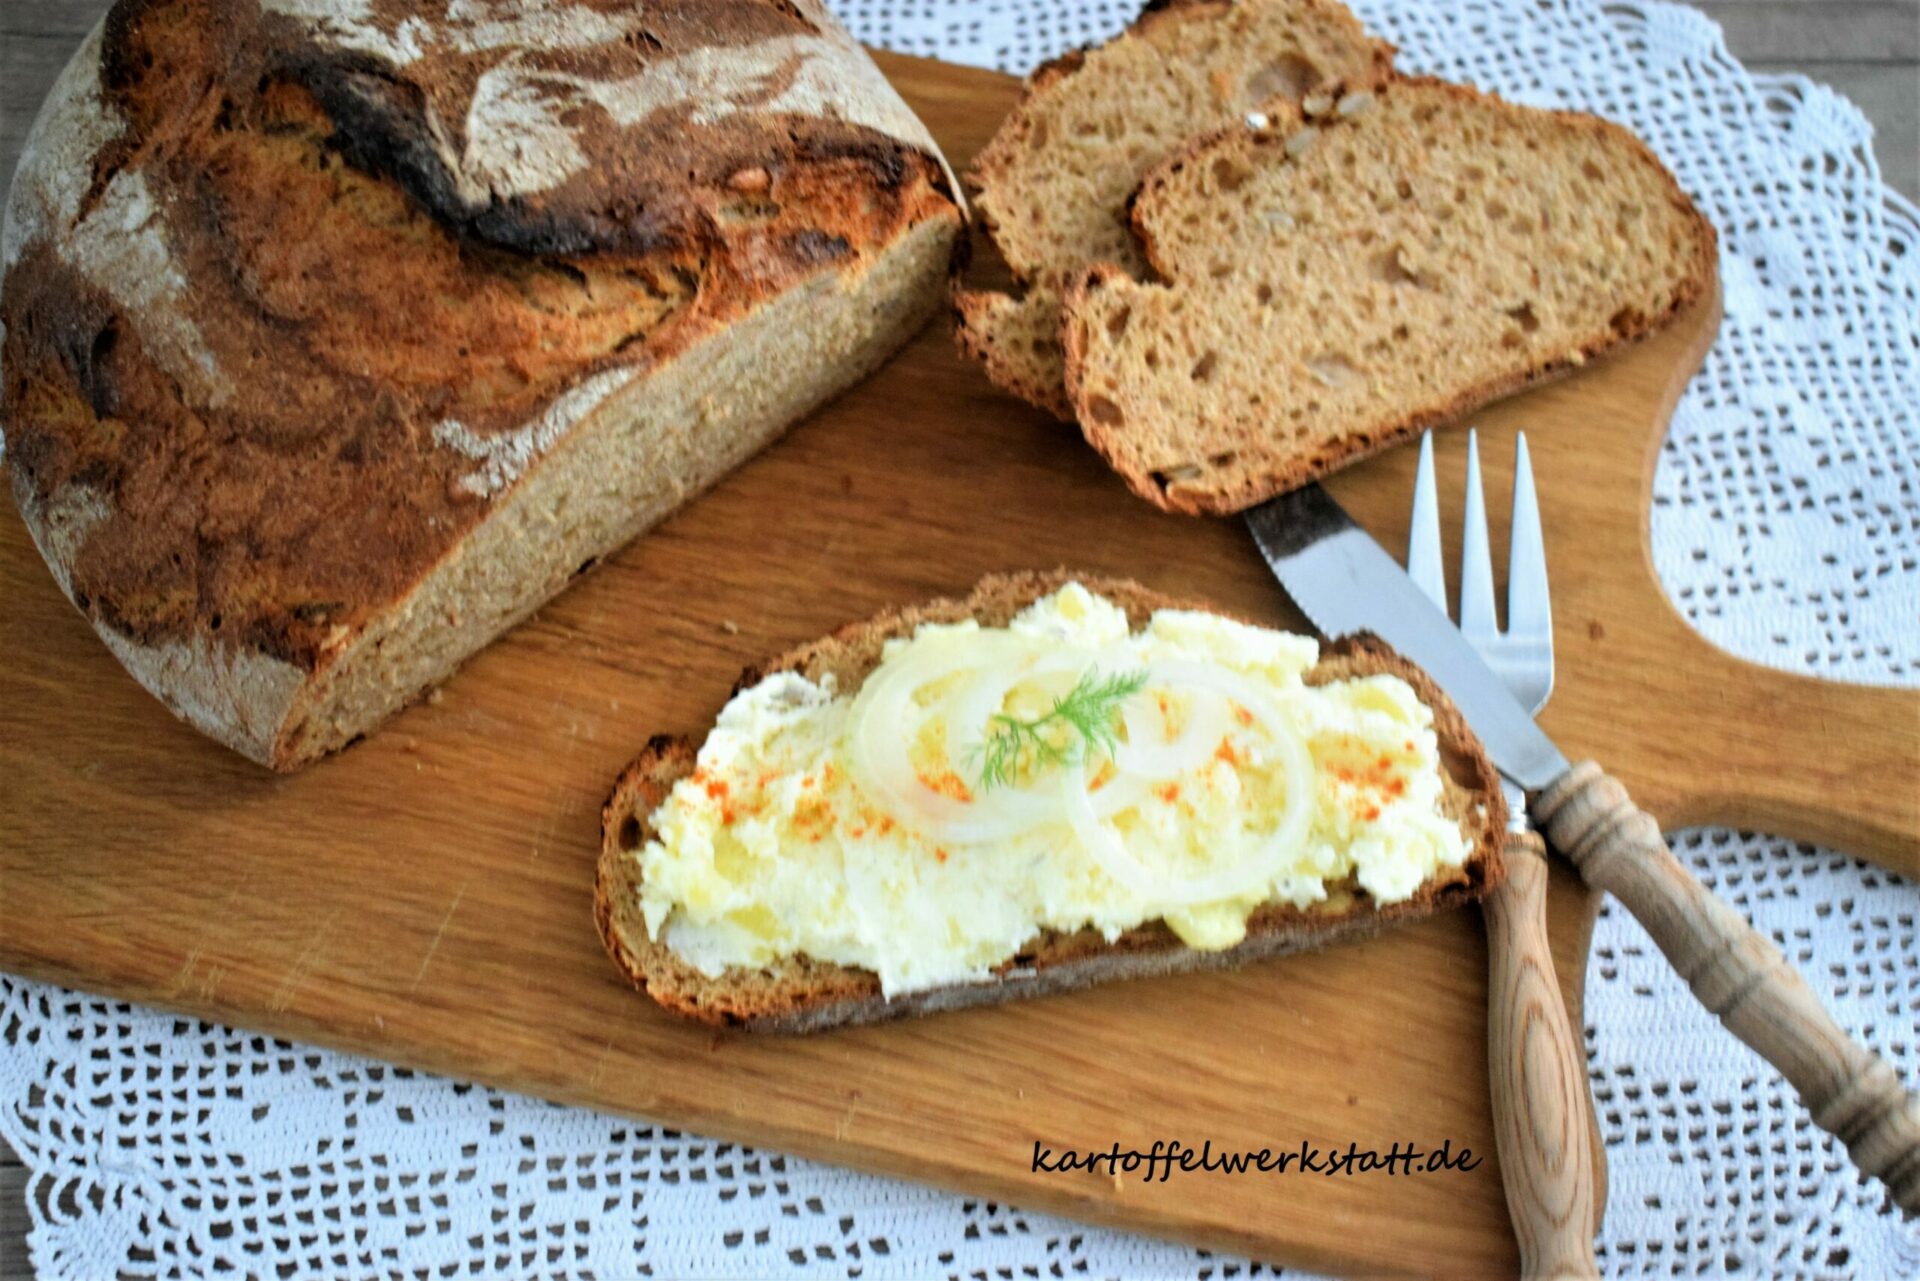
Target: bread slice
x,y
1333,285
804,995
1053,183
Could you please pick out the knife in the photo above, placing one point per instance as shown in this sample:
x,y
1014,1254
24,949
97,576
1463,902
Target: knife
x,y
1346,583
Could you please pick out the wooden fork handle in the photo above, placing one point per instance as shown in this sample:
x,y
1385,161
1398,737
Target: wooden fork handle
x,y
1539,1077
1742,977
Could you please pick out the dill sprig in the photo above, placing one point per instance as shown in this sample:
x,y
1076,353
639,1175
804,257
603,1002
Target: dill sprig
x,y
1080,723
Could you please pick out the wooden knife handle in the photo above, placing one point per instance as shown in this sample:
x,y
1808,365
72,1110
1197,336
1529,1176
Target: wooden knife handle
x,y
1539,1075
1739,975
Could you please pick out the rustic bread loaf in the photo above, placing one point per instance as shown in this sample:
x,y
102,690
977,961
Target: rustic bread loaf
x,y
1053,183
1330,286
803,995
339,337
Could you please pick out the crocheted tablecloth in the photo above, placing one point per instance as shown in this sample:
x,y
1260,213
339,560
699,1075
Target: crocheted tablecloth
x,y
1784,526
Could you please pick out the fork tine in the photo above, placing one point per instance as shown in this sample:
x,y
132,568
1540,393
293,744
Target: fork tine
x,y
1529,609
1424,563
1477,619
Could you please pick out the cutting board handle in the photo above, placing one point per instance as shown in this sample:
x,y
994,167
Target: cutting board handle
x,y
1742,977
1815,760
1539,1078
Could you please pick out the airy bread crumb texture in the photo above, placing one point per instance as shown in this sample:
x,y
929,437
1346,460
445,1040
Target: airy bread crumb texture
x,y
804,995
1053,183
1380,261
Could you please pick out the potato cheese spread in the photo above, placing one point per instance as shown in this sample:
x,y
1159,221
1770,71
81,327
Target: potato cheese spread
x,y
987,784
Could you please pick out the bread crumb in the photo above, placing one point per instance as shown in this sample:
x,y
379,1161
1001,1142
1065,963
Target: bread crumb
x,y
436,696
730,627
1333,226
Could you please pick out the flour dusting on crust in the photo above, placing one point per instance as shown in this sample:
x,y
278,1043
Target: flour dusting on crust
x,y
527,125
506,456
54,169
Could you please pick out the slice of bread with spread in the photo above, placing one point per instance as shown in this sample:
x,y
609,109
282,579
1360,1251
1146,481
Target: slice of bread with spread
x,y
797,993
1052,184
338,338
1381,261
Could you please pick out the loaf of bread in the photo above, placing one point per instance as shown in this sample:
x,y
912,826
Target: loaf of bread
x,y
1382,261
802,994
339,337
1052,184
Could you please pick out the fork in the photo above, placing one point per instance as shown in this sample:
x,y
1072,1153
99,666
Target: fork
x,y
1542,1112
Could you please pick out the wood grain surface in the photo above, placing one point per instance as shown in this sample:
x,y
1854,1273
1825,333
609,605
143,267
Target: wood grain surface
x,y
1536,1067
423,939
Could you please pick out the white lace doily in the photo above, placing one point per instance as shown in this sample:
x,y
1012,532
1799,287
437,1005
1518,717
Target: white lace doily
x,y
1785,526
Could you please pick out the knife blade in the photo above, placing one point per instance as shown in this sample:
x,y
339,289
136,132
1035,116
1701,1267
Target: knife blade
x,y
1345,582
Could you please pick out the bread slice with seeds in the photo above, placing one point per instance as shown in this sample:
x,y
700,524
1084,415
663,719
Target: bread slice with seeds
x,y
1384,261
803,995
1053,183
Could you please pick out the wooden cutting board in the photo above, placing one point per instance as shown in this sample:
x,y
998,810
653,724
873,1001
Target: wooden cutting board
x,y
425,898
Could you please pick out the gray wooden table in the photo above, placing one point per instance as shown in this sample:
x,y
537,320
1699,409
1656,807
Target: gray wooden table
x,y
1867,49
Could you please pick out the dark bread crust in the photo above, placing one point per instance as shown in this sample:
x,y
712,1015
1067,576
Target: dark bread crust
x,y
1331,456
352,295
803,995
